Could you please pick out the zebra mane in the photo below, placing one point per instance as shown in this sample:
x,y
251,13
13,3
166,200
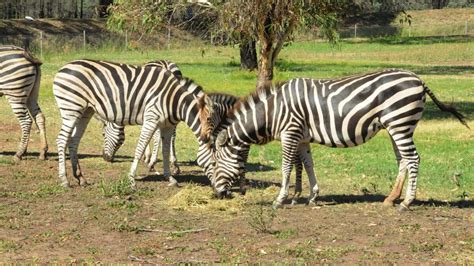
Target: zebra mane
x,y
190,86
261,93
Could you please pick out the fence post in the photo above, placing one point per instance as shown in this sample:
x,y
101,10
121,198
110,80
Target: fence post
x,y
84,42
355,30
41,44
126,39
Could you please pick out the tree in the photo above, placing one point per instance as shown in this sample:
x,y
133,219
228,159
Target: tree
x,y
266,24
272,23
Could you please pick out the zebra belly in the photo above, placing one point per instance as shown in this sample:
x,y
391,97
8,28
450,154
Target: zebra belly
x,y
335,139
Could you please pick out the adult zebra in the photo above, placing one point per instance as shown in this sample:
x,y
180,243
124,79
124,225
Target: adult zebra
x,y
125,95
20,75
343,112
114,135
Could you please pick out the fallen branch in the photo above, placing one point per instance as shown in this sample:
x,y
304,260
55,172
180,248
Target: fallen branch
x,y
172,232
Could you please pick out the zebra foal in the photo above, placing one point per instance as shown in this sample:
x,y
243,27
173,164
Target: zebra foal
x,y
20,75
343,112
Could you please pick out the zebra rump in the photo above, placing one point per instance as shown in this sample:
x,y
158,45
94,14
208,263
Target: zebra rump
x,y
20,76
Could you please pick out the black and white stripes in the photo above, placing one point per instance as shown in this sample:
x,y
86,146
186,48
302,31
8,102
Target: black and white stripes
x,y
343,112
20,76
125,95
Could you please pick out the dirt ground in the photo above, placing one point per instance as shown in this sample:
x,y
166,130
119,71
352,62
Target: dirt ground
x,y
42,223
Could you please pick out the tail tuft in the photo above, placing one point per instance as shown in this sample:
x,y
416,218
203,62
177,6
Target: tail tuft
x,y
446,108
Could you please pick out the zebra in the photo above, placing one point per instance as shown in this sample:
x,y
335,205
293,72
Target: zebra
x,y
114,135
125,95
343,112
220,120
20,75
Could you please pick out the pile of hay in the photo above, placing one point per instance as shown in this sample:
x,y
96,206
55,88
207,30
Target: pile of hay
x,y
194,197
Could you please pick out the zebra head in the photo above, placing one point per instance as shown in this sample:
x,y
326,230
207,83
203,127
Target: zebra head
x,y
114,136
228,165
208,117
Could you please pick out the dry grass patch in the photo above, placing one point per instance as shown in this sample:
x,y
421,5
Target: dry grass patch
x,y
194,197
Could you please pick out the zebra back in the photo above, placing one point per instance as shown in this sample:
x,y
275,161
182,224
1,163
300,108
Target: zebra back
x,y
166,64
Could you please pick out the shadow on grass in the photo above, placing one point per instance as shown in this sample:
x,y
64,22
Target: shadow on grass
x,y
343,68
374,198
396,40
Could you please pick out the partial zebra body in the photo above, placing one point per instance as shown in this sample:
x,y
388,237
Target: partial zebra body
x,y
114,135
342,112
124,95
20,76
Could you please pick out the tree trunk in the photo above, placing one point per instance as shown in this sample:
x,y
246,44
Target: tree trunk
x,y
265,64
248,56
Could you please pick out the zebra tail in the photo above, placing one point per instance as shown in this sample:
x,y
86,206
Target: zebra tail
x,y
35,92
446,108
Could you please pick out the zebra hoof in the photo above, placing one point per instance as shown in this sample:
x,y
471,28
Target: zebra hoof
x,y
403,208
65,185
277,205
16,159
294,202
311,202
173,184
388,203
175,170
83,182
42,157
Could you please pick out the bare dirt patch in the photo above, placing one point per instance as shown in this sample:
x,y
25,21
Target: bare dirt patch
x,y
104,222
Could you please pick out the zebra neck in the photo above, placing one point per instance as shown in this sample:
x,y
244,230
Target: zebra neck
x,y
252,126
189,113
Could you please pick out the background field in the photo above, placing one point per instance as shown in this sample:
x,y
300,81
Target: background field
x,y
106,222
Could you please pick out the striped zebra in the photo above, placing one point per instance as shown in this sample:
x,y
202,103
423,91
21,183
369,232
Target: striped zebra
x,y
20,76
125,95
343,112
220,120
114,135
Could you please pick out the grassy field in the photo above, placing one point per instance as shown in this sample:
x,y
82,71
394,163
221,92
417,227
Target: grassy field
x,y
41,222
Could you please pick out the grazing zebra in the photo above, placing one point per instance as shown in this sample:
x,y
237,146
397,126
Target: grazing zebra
x,y
114,135
20,76
343,112
125,95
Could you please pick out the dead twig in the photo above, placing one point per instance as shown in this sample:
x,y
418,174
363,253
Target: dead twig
x,y
172,232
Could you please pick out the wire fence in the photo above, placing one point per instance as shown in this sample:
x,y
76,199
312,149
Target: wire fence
x,y
41,42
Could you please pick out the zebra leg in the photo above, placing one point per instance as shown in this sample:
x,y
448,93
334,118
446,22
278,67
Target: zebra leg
x,y
149,126
39,119
154,154
166,134
174,165
77,134
298,184
289,148
20,110
62,140
307,159
409,156
402,171
147,157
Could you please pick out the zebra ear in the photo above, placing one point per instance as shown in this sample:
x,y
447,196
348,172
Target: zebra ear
x,y
209,103
221,138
